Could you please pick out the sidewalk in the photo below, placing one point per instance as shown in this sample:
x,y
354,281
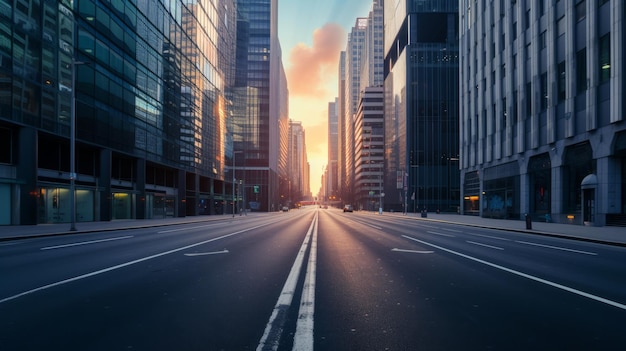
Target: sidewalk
x,y
605,235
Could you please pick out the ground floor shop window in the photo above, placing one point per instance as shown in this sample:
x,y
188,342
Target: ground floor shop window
x,y
5,204
55,205
122,206
501,198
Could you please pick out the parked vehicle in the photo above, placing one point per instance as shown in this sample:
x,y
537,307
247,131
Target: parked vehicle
x,y
348,208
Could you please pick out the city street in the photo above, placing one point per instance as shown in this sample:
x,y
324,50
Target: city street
x,y
311,279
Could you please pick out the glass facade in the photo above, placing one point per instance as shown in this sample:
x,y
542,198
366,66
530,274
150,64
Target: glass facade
x,y
421,107
150,87
260,130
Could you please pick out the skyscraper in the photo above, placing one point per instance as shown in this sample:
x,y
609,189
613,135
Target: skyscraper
x,y
353,56
331,186
542,118
421,105
151,110
263,150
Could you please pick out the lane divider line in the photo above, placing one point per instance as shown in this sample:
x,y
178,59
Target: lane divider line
x,y
206,253
484,245
412,251
85,243
126,264
557,248
442,234
525,275
274,328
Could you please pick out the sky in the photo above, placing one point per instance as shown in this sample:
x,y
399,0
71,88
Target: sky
x,y
312,34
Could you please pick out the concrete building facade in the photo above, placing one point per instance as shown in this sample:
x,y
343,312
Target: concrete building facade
x,y
542,113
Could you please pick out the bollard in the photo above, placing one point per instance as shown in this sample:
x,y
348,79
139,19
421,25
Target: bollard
x,y
528,222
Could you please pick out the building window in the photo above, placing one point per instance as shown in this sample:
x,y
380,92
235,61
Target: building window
x,y
529,99
581,70
581,11
560,25
542,40
6,146
544,91
561,81
605,58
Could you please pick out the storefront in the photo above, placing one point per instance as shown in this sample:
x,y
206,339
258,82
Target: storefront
x,y
54,205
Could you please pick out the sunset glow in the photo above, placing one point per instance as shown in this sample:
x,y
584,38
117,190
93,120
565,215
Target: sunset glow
x,y
312,36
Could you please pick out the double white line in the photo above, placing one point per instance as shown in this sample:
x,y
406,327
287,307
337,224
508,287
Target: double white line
x,y
303,338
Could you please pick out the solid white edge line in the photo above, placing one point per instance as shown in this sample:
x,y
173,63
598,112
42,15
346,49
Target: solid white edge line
x,y
286,295
557,248
85,243
485,245
528,276
303,338
122,265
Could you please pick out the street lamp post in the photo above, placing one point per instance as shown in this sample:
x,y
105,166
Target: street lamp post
x,y
234,177
73,146
417,189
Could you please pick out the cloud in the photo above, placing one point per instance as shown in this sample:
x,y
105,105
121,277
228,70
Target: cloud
x,y
311,67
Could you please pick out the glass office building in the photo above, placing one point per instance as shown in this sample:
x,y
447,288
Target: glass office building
x,y
261,141
421,105
149,82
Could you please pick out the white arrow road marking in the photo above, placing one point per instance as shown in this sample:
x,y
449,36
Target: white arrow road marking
x,y
206,253
412,251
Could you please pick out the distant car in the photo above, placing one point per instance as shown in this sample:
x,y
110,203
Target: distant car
x,y
285,209
347,208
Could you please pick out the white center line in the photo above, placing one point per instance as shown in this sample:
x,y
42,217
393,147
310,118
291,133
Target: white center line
x,y
85,243
303,338
528,276
485,245
557,248
273,330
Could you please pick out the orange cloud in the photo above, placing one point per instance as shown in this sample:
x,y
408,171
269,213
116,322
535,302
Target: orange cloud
x,y
310,66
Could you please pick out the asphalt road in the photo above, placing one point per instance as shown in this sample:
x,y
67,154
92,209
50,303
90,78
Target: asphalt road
x,y
311,279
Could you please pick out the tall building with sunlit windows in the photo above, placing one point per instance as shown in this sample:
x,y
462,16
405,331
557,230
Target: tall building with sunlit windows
x,y
149,83
260,150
